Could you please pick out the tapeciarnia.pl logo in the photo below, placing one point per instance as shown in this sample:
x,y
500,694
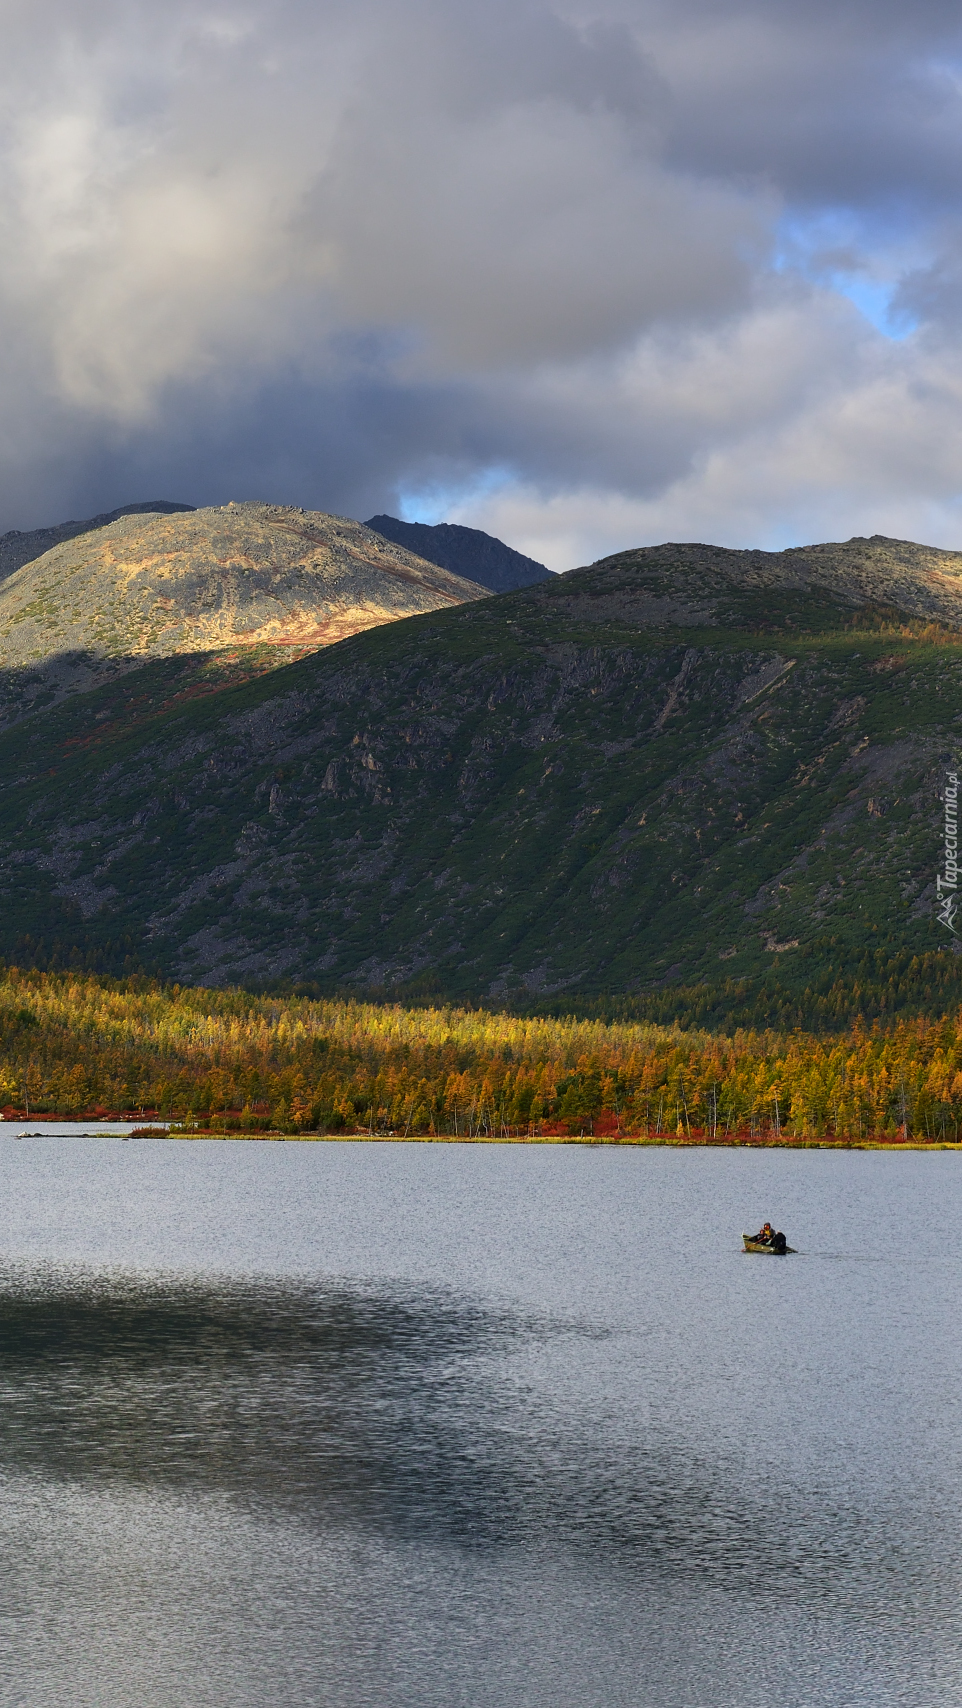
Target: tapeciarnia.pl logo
x,y
947,881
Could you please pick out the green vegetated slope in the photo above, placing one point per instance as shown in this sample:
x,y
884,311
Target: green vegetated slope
x,y
683,782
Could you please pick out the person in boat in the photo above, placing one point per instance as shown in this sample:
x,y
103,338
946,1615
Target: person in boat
x,y
766,1235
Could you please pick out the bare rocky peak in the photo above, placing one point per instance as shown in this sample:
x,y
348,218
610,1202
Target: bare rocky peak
x,y
202,581
693,584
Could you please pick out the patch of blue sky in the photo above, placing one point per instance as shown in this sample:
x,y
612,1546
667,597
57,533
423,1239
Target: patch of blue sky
x,y
434,501
835,250
874,299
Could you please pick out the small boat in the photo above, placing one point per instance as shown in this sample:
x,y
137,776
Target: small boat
x,y
765,1246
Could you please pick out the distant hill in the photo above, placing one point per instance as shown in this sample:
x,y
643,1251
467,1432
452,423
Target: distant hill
x,y
464,551
245,576
698,782
18,548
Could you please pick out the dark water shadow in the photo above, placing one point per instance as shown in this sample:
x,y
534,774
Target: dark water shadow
x,y
396,1410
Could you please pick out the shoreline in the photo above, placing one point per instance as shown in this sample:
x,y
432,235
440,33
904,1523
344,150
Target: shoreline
x,y
147,1129
626,1141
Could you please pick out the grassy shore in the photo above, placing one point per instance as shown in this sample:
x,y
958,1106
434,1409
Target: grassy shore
x,y
625,1140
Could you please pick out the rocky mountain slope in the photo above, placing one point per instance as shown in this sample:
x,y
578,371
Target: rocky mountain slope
x,y
464,551
706,780
18,548
243,577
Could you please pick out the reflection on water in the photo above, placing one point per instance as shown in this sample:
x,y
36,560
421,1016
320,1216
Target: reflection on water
x,y
284,1489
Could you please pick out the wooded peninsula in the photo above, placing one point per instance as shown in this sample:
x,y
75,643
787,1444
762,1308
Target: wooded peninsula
x,y
227,1061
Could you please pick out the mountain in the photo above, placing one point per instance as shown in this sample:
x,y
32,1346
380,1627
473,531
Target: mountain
x,y
18,548
228,580
699,782
464,551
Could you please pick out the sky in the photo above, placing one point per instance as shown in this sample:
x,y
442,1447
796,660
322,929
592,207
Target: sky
x,y
586,276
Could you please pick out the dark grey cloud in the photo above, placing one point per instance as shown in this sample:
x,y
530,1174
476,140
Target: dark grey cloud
x,y
831,105
584,275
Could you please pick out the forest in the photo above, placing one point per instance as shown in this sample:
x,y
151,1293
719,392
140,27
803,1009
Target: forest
x,y
227,1061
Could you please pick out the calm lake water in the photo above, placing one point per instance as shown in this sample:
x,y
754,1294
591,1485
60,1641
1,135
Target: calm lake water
x,y
495,1427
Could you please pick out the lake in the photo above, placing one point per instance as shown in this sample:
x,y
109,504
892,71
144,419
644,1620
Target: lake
x,y
447,1426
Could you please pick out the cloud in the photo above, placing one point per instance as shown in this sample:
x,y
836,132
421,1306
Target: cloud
x,y
800,422
585,276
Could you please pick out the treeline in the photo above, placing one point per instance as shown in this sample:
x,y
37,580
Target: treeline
x,y
834,985
882,984
226,1060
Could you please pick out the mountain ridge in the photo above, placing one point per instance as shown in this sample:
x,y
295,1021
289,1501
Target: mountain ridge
x,y
464,551
680,776
691,583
